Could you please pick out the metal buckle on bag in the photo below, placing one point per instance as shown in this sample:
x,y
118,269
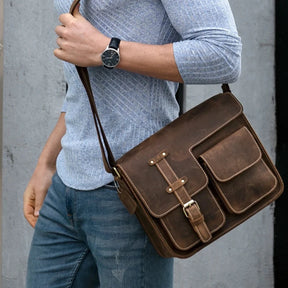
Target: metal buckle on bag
x,y
189,204
116,172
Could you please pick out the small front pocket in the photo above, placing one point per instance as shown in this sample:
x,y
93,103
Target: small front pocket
x,y
238,172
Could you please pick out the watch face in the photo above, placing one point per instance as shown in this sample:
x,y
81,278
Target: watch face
x,y
110,58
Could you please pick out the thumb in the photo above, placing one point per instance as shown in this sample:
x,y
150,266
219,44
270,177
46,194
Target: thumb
x,y
38,203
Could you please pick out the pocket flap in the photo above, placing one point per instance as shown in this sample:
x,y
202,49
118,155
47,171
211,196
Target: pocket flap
x,y
156,197
233,155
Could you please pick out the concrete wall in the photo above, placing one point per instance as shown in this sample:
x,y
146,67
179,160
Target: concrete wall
x,y
1,95
33,93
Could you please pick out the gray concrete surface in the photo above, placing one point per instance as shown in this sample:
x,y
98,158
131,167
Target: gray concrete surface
x,y
33,93
1,96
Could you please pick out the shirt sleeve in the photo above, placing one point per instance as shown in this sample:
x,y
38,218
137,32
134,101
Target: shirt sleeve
x,y
64,106
210,48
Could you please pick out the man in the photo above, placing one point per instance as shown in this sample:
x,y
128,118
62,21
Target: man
x,y
137,53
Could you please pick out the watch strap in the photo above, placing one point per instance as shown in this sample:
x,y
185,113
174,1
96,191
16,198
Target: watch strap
x,y
114,43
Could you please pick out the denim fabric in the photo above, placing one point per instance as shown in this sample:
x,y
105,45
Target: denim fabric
x,y
88,239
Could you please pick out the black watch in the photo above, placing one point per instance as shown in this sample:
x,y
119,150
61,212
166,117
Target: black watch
x,y
111,56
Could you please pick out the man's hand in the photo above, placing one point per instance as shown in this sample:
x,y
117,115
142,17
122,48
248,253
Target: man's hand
x,y
35,193
79,42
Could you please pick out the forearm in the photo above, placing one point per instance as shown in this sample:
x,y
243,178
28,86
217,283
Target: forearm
x,y
41,179
52,147
150,60
209,50
82,44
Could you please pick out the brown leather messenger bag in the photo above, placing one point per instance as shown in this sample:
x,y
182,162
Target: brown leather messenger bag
x,y
197,178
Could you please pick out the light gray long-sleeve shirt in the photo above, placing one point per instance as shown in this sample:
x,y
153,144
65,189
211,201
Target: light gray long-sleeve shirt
x,y
207,49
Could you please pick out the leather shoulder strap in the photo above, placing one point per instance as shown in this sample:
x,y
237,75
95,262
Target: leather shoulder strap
x,y
107,155
73,5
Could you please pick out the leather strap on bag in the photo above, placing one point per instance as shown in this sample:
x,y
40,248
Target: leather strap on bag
x,y
107,155
176,185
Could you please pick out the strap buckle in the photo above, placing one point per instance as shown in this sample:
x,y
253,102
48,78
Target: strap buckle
x,y
116,172
189,204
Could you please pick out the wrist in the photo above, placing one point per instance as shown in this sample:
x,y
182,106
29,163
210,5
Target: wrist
x,y
100,48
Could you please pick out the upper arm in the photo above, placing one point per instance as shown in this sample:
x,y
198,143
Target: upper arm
x,y
210,41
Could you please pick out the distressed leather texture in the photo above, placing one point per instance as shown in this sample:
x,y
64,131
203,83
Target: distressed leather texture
x,y
197,178
211,156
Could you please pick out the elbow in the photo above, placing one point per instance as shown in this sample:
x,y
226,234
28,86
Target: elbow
x,y
232,70
221,69
228,66
210,62
230,57
228,63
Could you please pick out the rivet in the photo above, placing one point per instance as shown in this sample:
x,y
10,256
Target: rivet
x,y
170,189
151,162
164,154
182,180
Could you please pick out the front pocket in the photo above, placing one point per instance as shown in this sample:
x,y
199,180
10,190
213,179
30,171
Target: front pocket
x,y
238,172
179,228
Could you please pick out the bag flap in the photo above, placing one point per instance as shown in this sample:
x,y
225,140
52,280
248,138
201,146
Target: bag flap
x,y
153,190
177,139
233,155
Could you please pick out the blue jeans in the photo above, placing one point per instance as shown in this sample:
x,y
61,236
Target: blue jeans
x,y
88,239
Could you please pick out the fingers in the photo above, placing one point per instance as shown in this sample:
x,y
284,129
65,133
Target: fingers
x,y
68,18
62,55
32,204
29,206
79,42
63,35
60,30
31,219
62,43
